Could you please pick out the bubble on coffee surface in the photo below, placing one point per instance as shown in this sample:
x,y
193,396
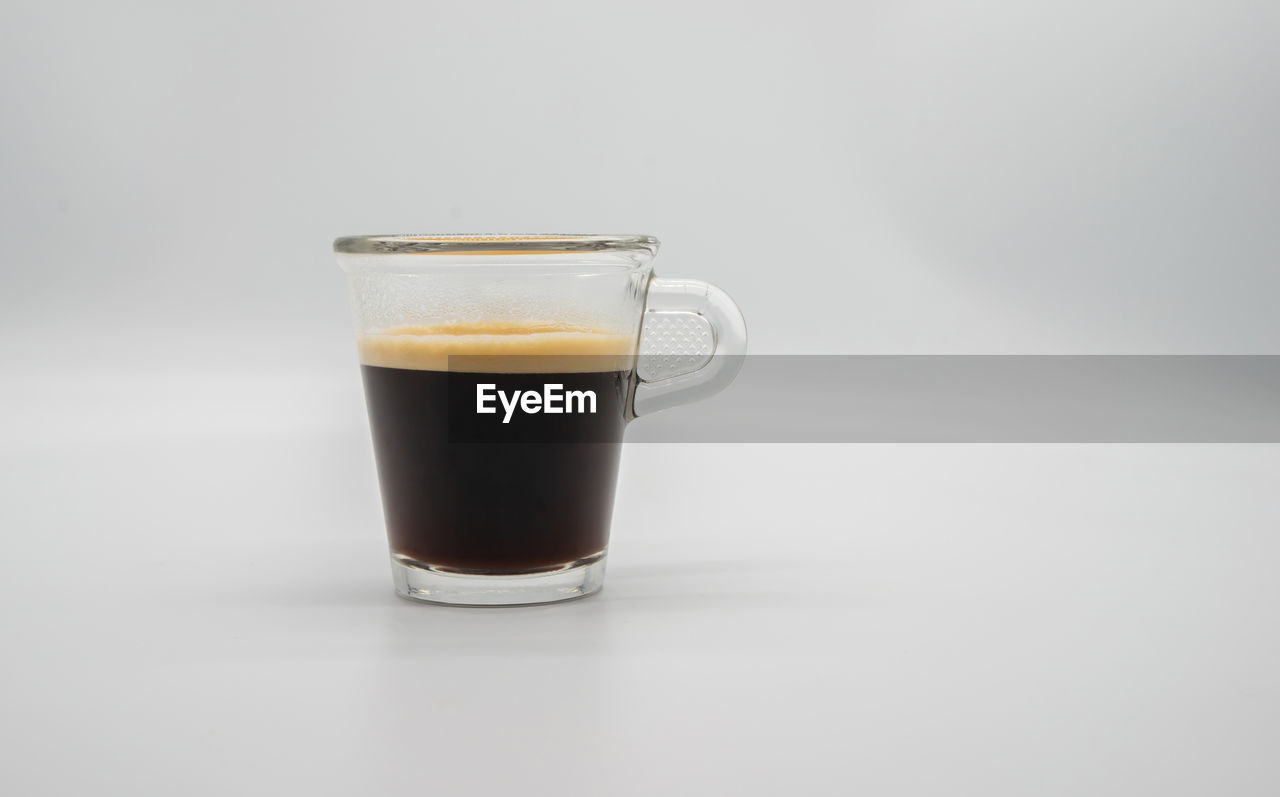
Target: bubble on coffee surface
x,y
498,347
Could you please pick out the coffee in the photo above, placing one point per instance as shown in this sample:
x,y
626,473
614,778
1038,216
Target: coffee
x,y
523,488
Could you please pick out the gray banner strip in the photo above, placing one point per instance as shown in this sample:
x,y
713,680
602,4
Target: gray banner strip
x,y
984,399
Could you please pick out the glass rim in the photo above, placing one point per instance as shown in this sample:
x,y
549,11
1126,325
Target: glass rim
x,y
493,244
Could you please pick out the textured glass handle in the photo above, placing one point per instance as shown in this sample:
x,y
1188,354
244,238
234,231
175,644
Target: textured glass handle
x,y
691,344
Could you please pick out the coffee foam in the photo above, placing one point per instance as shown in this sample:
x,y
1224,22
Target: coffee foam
x,y
496,347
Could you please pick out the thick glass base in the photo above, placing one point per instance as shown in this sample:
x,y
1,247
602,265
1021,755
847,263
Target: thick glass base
x,y
423,582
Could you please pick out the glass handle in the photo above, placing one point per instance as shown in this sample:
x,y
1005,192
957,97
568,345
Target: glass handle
x,y
692,342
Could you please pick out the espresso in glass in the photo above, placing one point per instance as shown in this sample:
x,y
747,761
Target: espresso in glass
x,y
500,372
508,491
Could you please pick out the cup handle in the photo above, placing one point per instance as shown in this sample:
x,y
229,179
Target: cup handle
x,y
692,342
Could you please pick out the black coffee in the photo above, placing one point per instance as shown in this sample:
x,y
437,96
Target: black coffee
x,y
516,489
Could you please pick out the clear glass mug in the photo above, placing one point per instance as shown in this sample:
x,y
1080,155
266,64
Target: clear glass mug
x,y
500,372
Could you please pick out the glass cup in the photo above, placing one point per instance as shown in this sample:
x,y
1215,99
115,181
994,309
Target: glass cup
x,y
500,372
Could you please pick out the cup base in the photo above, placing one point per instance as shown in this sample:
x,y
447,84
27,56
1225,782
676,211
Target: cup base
x,y
429,584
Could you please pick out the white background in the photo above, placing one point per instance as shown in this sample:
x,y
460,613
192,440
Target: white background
x,y
193,592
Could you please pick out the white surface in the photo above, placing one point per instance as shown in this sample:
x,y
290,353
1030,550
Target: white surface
x,y
195,600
